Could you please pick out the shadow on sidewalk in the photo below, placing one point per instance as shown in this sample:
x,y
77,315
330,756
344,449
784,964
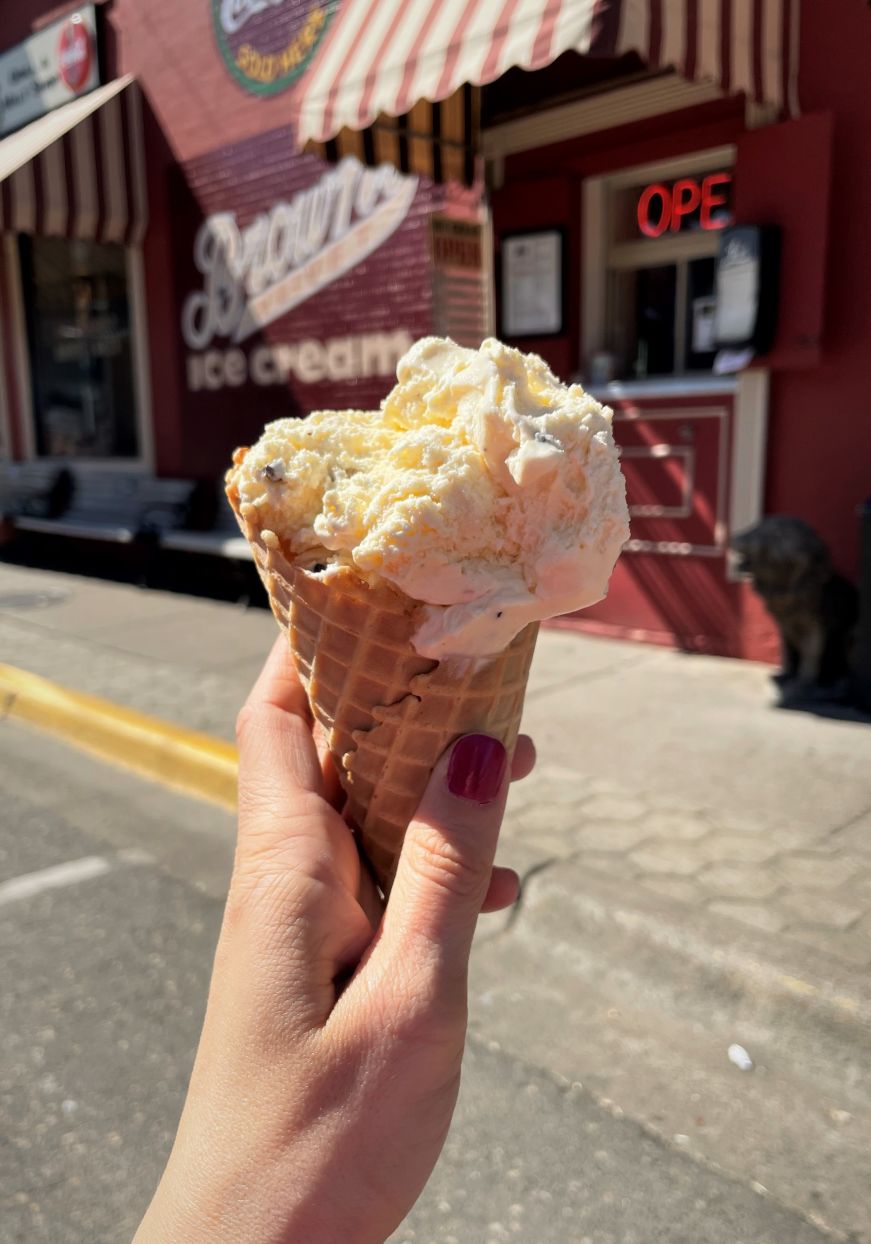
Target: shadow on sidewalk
x,y
215,578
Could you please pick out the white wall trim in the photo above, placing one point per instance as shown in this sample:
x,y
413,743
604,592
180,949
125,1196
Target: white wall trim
x,y
594,271
20,352
140,355
603,111
599,253
750,437
488,242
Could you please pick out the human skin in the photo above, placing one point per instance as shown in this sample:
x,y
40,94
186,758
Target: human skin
x,y
329,1062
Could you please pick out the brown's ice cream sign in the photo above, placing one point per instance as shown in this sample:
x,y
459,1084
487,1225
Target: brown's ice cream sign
x,y
298,285
255,274
267,44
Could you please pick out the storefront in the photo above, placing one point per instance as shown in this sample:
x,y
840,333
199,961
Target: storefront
x,y
72,215
618,140
176,271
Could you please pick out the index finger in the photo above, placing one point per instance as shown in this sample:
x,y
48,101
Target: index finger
x,y
277,754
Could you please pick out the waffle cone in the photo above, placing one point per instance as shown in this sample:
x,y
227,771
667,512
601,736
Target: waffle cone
x,y
387,712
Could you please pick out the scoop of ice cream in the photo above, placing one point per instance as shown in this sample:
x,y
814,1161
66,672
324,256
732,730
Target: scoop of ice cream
x,y
483,488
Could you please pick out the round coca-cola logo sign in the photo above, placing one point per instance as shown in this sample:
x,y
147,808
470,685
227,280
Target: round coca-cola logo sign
x,y
75,53
266,44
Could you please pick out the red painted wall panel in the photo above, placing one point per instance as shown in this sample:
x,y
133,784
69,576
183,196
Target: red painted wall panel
x,y
783,177
545,203
819,464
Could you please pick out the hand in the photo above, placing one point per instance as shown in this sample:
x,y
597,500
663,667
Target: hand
x,y
329,1063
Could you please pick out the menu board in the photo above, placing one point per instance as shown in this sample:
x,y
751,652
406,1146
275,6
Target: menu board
x,y
532,286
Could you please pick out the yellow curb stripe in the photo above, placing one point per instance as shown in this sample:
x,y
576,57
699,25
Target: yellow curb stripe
x,y
185,759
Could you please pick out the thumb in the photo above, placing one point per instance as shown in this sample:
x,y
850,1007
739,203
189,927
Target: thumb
x,y
447,857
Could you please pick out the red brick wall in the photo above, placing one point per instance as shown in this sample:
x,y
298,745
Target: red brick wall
x,y
170,45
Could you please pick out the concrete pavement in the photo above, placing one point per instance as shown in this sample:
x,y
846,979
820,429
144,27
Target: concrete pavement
x,y
672,773
106,978
697,872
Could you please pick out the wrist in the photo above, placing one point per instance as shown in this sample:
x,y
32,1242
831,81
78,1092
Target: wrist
x,y
268,1208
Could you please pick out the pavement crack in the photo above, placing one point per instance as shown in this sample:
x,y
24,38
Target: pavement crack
x,y
515,912
850,821
513,915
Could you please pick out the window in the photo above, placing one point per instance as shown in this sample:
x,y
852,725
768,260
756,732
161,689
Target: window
x,y
651,240
78,323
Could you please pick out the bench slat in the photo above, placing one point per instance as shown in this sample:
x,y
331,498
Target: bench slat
x,y
117,506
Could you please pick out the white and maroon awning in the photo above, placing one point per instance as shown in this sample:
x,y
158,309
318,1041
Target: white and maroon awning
x,y
386,59
79,171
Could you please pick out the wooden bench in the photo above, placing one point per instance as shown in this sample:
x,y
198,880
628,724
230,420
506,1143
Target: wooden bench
x,y
31,488
223,539
164,504
117,506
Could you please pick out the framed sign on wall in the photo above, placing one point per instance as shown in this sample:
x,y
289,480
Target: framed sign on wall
x,y
532,284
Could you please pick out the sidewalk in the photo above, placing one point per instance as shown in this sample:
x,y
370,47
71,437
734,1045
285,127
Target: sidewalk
x,y
696,873
668,772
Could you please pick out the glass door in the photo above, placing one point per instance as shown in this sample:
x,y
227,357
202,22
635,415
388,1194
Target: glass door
x,y
78,321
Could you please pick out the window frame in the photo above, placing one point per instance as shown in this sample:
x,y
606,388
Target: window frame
x,y
135,277
601,255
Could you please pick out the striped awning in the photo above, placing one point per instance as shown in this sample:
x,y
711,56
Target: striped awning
x,y
393,78
79,171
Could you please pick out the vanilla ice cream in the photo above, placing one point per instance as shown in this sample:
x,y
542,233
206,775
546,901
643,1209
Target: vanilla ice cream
x,y
483,488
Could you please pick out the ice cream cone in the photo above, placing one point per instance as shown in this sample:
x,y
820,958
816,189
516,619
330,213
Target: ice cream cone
x,y
387,712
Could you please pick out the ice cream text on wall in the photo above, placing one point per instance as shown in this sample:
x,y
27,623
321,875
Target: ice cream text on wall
x,y
254,275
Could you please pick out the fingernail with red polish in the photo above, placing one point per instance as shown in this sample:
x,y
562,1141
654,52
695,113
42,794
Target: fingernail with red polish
x,y
477,768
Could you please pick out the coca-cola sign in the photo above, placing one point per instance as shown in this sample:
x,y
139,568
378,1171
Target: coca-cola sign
x,y
266,44
75,52
49,68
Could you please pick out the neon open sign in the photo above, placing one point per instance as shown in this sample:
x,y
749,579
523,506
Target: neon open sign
x,y
688,201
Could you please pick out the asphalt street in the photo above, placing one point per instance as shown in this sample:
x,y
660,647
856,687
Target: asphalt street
x,y
110,899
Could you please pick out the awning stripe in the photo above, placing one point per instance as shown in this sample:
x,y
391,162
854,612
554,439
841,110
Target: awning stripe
x,y
53,203
112,173
135,149
789,61
403,13
85,180
673,50
541,48
725,69
404,99
709,39
692,36
384,55
521,37
78,172
24,199
456,67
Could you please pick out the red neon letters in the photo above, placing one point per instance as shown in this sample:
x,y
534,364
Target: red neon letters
x,y
662,208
